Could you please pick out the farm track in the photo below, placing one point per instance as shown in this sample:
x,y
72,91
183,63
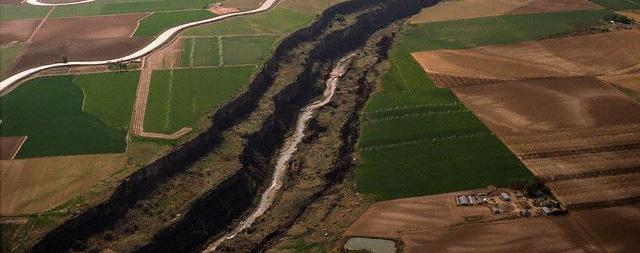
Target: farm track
x,y
568,152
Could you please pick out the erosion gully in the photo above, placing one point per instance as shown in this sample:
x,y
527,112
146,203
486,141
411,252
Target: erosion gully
x,y
196,194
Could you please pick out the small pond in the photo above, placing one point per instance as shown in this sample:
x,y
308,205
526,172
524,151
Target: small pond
x,y
371,245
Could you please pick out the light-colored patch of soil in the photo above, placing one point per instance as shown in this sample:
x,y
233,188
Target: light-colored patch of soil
x,y
84,28
596,189
464,9
17,30
545,105
38,184
220,10
9,146
38,54
388,219
606,53
242,4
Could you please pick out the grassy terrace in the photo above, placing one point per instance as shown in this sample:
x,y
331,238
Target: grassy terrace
x,y
65,115
418,139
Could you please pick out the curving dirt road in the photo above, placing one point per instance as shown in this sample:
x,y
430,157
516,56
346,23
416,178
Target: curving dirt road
x,y
155,44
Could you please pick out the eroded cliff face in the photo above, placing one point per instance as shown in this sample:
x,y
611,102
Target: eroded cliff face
x,y
341,29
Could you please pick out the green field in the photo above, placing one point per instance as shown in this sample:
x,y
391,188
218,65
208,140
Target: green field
x,y
181,97
13,12
619,4
199,52
109,96
49,110
276,21
159,22
8,55
418,139
130,6
247,49
469,33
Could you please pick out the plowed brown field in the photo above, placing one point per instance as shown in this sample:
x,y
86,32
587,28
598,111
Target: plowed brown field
x,y
606,53
9,146
597,189
544,105
389,218
38,184
464,9
37,54
579,133
85,28
17,30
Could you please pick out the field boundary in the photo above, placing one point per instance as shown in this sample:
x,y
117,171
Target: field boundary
x,y
140,107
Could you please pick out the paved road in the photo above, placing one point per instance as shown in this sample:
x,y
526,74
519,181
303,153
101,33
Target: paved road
x,y
36,2
155,44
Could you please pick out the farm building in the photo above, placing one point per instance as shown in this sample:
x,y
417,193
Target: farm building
x,y
505,196
462,200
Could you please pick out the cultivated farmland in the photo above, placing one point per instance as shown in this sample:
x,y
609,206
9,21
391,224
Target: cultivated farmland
x,y
60,120
464,9
181,97
613,52
38,184
17,30
199,52
435,224
157,23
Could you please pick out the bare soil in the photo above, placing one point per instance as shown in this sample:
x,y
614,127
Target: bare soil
x,y
37,54
464,9
594,230
584,163
606,53
9,146
597,189
17,30
38,184
630,81
544,105
616,229
388,219
85,28
220,10
543,234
